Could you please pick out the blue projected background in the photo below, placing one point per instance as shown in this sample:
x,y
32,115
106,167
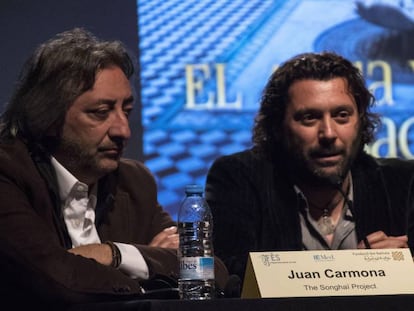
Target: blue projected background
x,y
204,64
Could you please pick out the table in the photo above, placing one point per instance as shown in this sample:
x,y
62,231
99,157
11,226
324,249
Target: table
x,y
340,303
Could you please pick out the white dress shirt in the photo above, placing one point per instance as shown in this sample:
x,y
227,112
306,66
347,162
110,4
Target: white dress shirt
x,y
78,209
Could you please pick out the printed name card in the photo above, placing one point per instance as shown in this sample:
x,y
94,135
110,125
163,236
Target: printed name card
x,y
329,273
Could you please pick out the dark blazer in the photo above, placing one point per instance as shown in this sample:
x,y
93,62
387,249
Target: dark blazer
x,y
34,262
255,207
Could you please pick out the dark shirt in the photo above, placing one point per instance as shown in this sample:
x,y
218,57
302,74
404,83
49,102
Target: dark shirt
x,y
255,207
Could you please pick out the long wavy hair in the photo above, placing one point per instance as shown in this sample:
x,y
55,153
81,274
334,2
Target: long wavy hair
x,y
323,66
58,71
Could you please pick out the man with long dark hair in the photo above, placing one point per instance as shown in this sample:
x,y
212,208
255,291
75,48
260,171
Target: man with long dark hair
x,y
78,223
307,183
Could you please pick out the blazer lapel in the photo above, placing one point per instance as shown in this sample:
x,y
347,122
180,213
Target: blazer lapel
x,y
370,199
112,210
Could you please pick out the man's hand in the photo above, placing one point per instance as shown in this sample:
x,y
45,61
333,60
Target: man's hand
x,y
102,253
168,238
379,240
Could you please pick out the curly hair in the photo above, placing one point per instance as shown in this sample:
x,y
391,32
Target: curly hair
x,y
58,72
316,66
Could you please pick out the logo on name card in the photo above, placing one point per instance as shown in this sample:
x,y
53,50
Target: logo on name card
x,y
379,256
397,256
270,258
323,257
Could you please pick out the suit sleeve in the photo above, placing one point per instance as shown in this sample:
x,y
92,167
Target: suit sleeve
x,y
233,202
33,259
149,219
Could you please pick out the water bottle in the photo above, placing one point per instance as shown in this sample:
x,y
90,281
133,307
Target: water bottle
x,y
195,228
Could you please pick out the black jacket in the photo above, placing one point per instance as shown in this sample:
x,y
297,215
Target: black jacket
x,y
255,208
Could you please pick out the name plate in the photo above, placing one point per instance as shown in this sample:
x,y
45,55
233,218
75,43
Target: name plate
x,y
329,273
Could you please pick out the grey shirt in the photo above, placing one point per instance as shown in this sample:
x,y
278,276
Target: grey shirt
x,y
344,236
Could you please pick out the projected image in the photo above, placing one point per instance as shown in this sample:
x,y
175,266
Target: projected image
x,y
205,62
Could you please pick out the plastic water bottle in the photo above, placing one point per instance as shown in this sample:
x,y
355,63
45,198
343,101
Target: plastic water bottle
x,y
195,227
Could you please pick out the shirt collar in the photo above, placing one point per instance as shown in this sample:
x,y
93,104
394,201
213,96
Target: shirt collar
x,y
350,194
66,181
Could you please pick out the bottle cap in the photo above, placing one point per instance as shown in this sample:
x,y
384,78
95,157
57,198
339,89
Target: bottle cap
x,y
193,189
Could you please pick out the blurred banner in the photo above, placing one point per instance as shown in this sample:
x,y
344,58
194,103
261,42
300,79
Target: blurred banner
x,y
204,64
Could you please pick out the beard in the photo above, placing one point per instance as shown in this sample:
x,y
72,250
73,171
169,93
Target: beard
x,y
305,170
302,167
78,156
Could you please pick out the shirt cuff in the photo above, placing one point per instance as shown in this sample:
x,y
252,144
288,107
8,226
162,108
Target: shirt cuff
x,y
133,263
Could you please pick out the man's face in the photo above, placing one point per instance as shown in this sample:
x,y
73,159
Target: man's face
x,y
96,127
321,130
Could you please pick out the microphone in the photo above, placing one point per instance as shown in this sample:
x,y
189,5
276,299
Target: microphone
x,y
160,287
348,202
233,287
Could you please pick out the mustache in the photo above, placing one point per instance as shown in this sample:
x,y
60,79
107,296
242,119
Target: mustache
x,y
117,145
326,152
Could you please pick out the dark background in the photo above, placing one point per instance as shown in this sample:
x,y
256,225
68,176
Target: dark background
x,y
26,23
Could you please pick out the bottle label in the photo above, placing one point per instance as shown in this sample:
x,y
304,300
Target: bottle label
x,y
197,268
